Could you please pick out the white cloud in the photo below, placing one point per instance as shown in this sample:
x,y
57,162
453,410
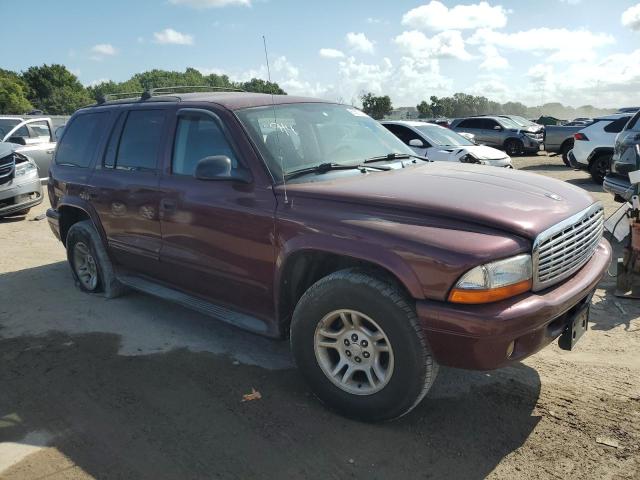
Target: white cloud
x,y
330,53
447,44
171,36
556,44
373,20
96,82
493,87
492,58
437,16
631,17
105,49
211,3
359,42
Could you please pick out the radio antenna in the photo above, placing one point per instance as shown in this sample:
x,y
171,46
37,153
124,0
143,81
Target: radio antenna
x,y
275,120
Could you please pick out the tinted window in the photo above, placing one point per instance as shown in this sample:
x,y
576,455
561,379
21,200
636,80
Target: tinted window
x,y
617,125
198,136
403,133
488,124
140,140
633,123
471,123
80,139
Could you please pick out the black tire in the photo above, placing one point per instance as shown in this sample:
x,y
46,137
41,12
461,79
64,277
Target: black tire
x,y
599,167
84,234
513,147
566,148
414,367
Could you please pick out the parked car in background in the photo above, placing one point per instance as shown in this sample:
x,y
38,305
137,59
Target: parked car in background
x,y
626,158
377,264
501,132
593,145
559,139
34,137
442,144
20,187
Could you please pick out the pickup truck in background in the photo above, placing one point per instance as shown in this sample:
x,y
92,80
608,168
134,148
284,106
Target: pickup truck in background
x,y
559,139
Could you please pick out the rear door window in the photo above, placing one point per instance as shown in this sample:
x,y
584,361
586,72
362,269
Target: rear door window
x,y
198,136
140,140
489,124
471,123
78,144
40,130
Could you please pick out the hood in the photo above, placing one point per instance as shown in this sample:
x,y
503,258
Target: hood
x,y
7,148
518,202
482,152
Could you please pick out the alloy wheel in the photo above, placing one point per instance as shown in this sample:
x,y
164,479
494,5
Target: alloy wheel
x,y
353,352
85,266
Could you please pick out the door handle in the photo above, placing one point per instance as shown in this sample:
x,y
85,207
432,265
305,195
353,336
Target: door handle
x,y
168,205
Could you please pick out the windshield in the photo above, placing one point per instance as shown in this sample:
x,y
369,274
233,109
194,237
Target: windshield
x,y
310,134
508,123
443,137
522,121
6,124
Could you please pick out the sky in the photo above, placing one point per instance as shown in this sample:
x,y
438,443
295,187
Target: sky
x,y
576,52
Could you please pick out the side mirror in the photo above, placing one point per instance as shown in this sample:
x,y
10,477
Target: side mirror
x,y
219,167
58,132
498,128
416,142
18,140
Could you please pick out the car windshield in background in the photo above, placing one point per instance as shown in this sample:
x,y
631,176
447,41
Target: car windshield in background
x,y
443,137
303,135
508,123
6,124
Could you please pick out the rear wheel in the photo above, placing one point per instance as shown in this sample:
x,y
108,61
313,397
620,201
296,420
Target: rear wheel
x,y
566,148
89,261
514,147
357,341
599,167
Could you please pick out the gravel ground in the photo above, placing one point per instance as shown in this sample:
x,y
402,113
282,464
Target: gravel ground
x,y
139,388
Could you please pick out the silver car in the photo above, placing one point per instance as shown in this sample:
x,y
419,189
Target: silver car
x,y
33,137
501,132
20,186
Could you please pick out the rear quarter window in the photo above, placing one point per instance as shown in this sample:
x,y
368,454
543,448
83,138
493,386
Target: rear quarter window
x,y
617,125
80,139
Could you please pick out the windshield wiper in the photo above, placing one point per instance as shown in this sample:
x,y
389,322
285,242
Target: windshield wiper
x,y
395,156
327,167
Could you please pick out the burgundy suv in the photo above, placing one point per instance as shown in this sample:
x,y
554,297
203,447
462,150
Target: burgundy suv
x,y
294,217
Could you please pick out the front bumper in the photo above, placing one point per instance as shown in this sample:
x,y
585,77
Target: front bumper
x,y
618,186
477,336
19,195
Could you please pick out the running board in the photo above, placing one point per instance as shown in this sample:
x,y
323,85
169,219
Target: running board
x,y
194,303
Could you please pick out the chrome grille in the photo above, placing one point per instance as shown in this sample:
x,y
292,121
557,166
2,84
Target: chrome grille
x,y
564,248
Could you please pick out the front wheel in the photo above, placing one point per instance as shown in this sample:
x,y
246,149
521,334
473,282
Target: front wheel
x,y
514,147
356,339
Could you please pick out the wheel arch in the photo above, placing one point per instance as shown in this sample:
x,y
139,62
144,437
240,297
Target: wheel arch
x,y
299,268
597,152
71,212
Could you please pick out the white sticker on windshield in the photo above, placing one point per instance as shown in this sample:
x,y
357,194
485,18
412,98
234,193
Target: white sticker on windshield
x,y
356,113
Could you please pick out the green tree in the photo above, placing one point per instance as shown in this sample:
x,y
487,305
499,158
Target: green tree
x,y
424,110
13,99
55,90
377,107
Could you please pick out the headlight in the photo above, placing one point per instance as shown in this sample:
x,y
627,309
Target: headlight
x,y
494,281
468,158
26,168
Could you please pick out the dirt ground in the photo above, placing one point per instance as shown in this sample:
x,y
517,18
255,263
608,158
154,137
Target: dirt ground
x,y
140,388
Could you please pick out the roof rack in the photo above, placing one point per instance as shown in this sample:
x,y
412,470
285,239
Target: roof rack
x,y
152,92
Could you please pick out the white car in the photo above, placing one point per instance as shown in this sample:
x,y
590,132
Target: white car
x,y
593,145
441,144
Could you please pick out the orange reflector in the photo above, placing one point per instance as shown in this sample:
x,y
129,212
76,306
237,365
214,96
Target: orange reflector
x,y
488,296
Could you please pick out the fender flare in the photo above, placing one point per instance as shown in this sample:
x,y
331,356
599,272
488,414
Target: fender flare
x,y
596,152
346,247
76,202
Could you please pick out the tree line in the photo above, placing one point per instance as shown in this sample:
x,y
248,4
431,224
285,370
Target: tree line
x,y
54,90
464,105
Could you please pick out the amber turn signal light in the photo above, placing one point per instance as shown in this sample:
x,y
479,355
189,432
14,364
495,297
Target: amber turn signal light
x,y
473,296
